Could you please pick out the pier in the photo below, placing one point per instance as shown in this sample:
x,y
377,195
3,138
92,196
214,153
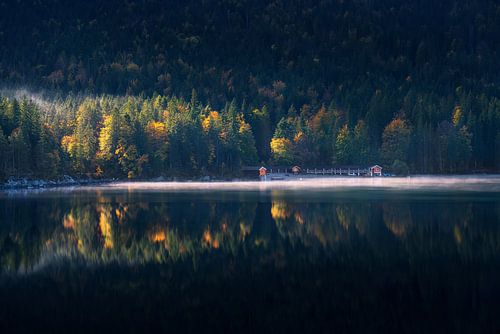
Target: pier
x,y
375,170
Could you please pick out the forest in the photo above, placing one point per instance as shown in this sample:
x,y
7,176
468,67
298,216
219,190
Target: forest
x,y
138,89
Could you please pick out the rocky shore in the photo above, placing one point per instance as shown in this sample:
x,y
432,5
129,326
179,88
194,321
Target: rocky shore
x,y
64,181
69,181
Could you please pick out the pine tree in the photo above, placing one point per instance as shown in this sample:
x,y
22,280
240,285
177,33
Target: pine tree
x,y
248,151
395,142
85,137
4,156
261,124
344,146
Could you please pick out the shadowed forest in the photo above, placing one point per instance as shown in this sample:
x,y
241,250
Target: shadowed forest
x,y
136,89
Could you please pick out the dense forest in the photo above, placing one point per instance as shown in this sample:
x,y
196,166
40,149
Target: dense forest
x,y
147,88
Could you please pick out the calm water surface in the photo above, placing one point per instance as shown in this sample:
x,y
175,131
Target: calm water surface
x,y
353,259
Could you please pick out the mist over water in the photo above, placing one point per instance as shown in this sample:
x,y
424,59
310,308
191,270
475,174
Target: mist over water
x,y
479,183
483,183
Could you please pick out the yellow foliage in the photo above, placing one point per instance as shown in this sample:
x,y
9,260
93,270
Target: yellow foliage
x,y
156,130
69,221
68,143
210,120
457,115
105,226
105,139
279,211
282,150
244,127
280,146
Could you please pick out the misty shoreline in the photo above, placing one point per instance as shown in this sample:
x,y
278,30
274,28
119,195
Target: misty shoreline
x,y
428,181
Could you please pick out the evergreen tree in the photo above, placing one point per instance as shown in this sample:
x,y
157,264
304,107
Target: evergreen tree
x,y
395,142
344,146
4,155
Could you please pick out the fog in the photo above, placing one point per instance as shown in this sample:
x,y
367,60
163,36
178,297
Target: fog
x,y
489,183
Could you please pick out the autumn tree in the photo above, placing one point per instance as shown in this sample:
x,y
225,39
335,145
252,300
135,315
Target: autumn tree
x,y
248,151
282,151
85,141
395,142
344,145
158,145
363,152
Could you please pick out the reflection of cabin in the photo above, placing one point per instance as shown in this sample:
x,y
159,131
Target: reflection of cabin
x,y
375,170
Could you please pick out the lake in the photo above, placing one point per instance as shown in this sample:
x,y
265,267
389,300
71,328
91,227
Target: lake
x,y
408,255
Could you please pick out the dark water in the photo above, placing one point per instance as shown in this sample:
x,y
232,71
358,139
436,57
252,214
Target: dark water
x,y
359,260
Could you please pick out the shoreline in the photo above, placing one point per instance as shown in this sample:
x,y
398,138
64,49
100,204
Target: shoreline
x,y
418,181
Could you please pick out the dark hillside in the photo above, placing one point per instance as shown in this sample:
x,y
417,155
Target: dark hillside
x,y
431,66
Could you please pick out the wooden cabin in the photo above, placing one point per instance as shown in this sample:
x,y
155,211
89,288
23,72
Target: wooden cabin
x,y
262,171
376,170
296,170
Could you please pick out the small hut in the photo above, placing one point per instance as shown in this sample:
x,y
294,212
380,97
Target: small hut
x,y
376,170
262,171
296,170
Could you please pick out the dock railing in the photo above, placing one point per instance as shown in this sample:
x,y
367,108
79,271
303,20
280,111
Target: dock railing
x,y
338,171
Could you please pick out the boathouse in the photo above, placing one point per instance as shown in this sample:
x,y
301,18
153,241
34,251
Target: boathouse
x,y
376,170
296,170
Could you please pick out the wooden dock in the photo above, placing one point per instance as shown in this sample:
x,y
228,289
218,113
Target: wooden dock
x,y
285,171
325,171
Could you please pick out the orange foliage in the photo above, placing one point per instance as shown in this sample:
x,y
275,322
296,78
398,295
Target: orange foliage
x,y
156,130
209,240
69,221
279,211
299,137
207,237
68,143
158,236
210,120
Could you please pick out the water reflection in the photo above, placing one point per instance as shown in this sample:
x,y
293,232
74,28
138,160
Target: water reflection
x,y
137,228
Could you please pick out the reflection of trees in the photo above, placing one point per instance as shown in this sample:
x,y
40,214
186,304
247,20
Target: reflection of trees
x,y
354,215
128,229
320,223
397,218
